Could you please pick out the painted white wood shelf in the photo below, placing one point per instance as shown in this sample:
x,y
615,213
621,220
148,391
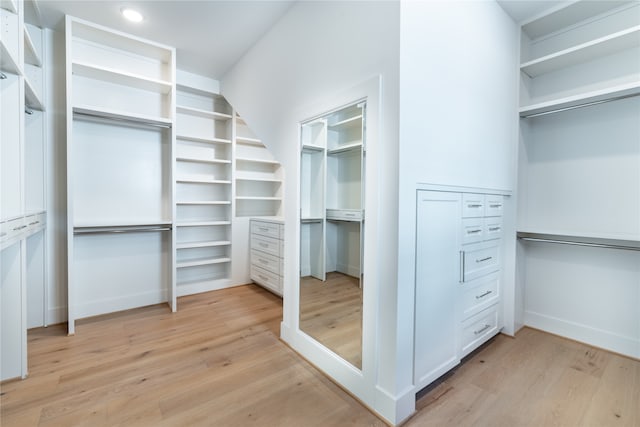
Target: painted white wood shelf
x,y
203,261
258,198
345,148
603,46
185,137
274,180
201,223
567,15
347,123
9,5
202,181
312,148
256,160
113,75
8,63
122,223
119,115
202,160
207,244
203,113
204,202
584,99
247,140
30,52
32,99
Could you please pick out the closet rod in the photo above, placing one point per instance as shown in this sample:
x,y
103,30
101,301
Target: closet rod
x,y
3,76
569,242
122,230
132,121
586,104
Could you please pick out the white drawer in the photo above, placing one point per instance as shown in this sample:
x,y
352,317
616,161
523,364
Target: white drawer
x,y
492,228
479,294
33,221
472,230
264,260
269,245
344,214
268,229
12,228
480,259
267,279
493,205
472,205
478,329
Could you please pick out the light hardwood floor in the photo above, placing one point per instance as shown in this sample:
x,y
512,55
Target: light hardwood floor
x,y
331,312
218,362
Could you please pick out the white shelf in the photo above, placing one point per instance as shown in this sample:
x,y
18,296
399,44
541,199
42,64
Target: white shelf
x,y
32,100
203,140
256,160
208,244
248,141
203,261
600,47
8,63
9,5
309,220
310,148
564,16
204,202
345,148
113,75
258,198
584,99
203,113
212,161
30,53
202,181
347,123
201,223
119,115
120,224
259,179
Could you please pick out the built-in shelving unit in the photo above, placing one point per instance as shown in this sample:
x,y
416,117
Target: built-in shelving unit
x,y
203,190
120,145
579,181
258,177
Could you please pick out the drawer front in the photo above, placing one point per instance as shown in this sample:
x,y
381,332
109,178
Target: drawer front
x,y
472,205
344,214
12,228
267,279
33,221
472,230
478,329
268,229
266,261
493,205
492,228
266,244
480,294
480,260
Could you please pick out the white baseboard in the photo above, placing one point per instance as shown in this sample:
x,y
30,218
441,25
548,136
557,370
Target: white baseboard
x,y
628,346
123,302
204,286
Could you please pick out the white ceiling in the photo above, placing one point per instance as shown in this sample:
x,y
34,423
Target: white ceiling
x,y
210,36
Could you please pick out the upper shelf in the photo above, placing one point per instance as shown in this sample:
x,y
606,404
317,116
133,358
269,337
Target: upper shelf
x,y
31,54
567,15
203,113
113,75
8,62
248,140
345,148
347,123
118,115
32,99
582,100
600,47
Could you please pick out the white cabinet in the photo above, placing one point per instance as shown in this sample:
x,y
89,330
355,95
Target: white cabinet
x,y
267,253
120,184
457,294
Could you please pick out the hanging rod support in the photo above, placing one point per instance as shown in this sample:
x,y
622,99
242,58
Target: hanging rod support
x,y
572,243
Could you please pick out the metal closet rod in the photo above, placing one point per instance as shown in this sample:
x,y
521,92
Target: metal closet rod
x,y
586,104
122,119
2,75
572,243
122,230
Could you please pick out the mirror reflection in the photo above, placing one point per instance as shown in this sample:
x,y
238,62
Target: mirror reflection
x,y
332,230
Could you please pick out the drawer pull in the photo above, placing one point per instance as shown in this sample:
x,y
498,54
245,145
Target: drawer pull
x,y
349,214
266,279
495,206
481,330
34,222
264,245
474,205
461,266
494,228
484,259
263,261
483,295
473,231
20,227
264,229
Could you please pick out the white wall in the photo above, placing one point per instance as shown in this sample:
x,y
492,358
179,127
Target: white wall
x,y
458,121
318,50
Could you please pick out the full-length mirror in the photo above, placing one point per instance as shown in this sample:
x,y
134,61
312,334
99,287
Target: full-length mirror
x,y
332,229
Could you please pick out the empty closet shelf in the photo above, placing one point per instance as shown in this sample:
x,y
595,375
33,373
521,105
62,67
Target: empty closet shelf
x,y
204,202
209,244
202,261
202,223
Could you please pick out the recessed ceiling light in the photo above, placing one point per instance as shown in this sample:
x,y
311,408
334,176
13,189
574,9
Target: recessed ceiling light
x,y
131,14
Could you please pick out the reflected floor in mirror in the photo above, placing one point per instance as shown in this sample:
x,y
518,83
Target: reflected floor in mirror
x,y
331,313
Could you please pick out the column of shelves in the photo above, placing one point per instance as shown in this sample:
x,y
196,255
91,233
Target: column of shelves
x,y
203,191
258,177
120,144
